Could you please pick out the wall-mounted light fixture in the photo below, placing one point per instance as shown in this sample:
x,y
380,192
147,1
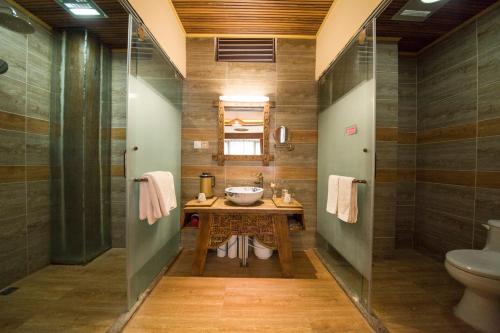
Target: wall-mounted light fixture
x,y
244,99
82,8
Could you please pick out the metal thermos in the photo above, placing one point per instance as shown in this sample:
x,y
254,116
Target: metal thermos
x,y
207,183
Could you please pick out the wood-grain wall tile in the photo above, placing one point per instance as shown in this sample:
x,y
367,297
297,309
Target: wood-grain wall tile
x,y
488,153
12,199
37,126
11,121
451,155
451,199
12,96
12,250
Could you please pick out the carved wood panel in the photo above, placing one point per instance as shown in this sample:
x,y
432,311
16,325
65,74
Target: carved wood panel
x,y
223,226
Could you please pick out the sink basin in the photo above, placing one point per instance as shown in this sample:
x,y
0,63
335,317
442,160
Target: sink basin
x,y
244,195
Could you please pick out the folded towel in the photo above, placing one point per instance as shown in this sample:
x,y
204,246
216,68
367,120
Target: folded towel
x,y
157,196
333,193
348,200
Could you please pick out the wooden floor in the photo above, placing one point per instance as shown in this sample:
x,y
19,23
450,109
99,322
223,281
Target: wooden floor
x,y
224,304
69,299
257,268
412,293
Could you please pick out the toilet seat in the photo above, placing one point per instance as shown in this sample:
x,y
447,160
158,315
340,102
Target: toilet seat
x,y
477,262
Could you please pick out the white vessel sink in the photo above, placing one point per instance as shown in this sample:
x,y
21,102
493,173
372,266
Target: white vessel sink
x,y
244,195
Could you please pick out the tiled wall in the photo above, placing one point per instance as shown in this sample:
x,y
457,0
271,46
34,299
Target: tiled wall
x,y
384,222
118,138
458,134
24,153
407,128
289,82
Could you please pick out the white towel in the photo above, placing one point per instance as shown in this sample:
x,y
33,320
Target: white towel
x,y
333,194
348,200
157,196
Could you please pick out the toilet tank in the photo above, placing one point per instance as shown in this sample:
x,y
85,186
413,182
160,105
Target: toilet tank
x,y
493,240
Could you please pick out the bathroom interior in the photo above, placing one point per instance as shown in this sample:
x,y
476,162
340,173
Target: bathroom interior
x,y
253,109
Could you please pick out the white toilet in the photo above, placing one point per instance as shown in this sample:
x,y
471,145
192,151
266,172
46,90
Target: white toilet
x,y
479,272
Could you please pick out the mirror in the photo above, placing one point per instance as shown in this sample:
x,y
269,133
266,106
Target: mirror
x,y
281,135
243,129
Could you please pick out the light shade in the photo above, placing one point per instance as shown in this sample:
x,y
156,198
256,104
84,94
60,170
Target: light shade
x,y
243,99
429,1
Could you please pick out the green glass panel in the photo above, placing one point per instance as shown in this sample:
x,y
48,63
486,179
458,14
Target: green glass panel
x,y
346,98
154,129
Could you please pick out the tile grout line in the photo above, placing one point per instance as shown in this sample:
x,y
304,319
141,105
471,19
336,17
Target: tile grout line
x,y
477,133
26,157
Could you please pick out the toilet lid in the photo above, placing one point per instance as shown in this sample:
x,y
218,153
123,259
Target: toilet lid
x,y
478,262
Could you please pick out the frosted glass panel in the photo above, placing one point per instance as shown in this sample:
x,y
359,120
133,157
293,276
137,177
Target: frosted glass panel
x,y
153,143
346,130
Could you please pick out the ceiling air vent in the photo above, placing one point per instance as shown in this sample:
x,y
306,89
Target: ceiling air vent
x,y
418,10
245,49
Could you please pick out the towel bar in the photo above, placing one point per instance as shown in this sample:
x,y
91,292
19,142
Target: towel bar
x,y
360,181
140,180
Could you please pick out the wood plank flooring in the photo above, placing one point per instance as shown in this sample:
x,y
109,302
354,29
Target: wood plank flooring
x,y
412,293
223,304
69,299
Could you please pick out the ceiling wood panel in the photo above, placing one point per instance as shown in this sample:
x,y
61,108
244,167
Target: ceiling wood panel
x,y
416,35
112,30
272,17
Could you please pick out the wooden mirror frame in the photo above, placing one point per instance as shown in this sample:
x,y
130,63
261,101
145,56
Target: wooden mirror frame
x,y
265,157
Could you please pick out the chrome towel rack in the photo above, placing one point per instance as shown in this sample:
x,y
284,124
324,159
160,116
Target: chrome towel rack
x,y
360,181
138,180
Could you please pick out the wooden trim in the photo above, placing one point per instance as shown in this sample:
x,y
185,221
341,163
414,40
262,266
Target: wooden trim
x,y
220,133
195,35
216,103
265,143
265,157
243,135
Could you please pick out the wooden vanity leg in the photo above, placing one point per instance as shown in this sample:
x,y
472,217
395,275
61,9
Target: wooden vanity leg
x,y
284,245
202,242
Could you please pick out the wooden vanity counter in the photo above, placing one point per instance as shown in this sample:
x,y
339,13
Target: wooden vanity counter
x,y
263,220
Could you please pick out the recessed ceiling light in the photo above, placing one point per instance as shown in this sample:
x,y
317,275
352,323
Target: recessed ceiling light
x,y
429,1
82,8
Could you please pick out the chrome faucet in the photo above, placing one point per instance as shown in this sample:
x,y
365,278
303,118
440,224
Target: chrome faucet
x,y
260,180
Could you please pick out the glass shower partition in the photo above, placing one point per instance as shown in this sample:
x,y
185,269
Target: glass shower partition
x,y
346,142
153,144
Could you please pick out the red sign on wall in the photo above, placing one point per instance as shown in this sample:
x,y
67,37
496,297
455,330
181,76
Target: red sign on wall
x,y
351,130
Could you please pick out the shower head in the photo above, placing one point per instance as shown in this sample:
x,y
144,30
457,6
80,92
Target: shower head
x,y
11,20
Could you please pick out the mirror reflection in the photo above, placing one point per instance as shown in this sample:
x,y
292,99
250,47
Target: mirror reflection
x,y
243,130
